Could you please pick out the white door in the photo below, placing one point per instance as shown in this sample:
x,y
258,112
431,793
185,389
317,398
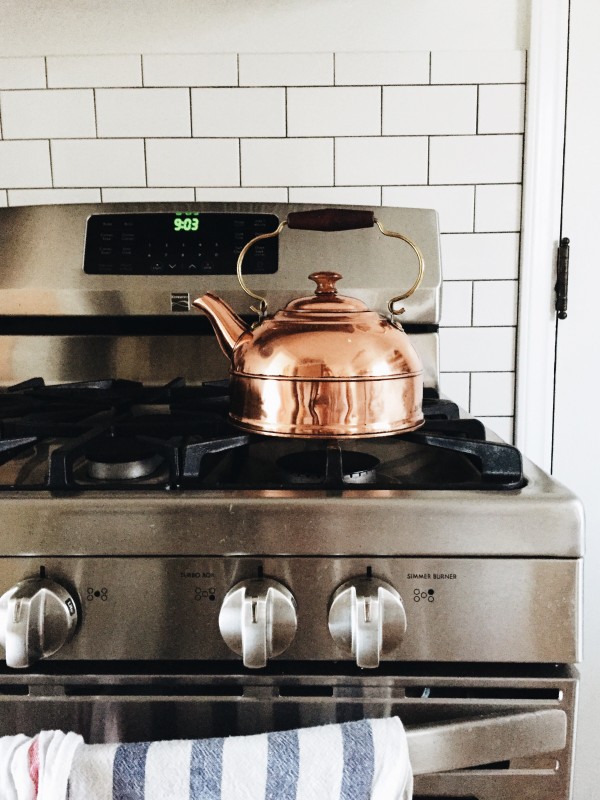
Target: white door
x,y
576,451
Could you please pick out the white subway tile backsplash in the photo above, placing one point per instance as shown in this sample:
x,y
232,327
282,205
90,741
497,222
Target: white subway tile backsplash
x,y
22,73
501,109
244,194
193,162
386,161
498,208
286,69
238,112
492,394
430,110
83,71
495,302
48,114
457,387
139,113
502,426
204,69
476,159
477,349
334,111
43,197
480,256
478,66
413,129
456,304
24,164
98,162
143,195
454,204
337,195
381,69
287,162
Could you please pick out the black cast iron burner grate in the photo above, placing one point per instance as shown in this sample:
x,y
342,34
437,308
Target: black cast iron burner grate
x,y
191,444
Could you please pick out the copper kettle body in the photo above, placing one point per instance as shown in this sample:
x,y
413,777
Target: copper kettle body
x,y
325,366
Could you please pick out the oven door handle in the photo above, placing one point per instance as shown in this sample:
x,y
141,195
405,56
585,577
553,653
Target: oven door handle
x,y
460,744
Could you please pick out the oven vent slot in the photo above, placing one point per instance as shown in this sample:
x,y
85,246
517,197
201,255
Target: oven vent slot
x,y
152,690
483,693
13,689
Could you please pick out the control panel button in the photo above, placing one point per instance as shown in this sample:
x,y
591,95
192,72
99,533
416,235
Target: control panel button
x,y
367,620
258,620
38,616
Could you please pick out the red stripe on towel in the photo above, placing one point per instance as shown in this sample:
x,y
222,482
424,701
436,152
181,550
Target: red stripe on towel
x,y
34,763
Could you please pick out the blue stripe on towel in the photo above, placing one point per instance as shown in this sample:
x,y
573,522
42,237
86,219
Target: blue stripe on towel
x,y
283,765
359,761
129,771
206,769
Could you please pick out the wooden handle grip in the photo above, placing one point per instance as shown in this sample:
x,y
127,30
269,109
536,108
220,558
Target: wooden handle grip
x,y
331,219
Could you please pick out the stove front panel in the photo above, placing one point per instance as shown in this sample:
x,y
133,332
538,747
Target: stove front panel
x,y
469,610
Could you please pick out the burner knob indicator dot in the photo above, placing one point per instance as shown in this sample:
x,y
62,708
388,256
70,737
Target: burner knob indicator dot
x,y
367,620
37,617
258,620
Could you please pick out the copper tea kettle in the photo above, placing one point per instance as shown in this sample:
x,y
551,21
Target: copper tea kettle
x,y
325,366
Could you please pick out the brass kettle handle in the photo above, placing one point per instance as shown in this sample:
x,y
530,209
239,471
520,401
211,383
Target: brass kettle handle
x,y
329,219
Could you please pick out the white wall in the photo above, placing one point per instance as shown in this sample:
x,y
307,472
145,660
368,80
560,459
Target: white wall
x,y
53,103
51,27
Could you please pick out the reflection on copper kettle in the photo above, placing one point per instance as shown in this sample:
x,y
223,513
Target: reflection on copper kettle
x,y
325,366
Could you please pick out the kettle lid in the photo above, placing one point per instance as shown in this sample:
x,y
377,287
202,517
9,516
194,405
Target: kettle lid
x,y
326,298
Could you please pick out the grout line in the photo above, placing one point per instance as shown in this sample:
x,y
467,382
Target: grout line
x,y
381,115
472,304
191,116
477,112
430,55
470,381
51,165
95,112
142,69
237,67
334,65
286,110
240,162
145,164
428,158
46,71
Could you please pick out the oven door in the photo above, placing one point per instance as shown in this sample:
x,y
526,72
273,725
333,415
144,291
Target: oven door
x,y
479,738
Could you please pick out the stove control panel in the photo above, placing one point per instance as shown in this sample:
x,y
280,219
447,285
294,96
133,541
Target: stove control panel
x,y
38,616
258,620
367,620
184,243
264,610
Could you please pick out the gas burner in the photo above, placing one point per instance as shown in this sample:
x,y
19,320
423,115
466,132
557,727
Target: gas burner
x,y
121,459
331,465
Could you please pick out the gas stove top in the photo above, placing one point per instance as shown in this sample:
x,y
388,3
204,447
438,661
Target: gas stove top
x,y
120,435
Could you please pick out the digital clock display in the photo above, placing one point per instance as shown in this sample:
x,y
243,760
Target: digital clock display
x,y
178,243
186,221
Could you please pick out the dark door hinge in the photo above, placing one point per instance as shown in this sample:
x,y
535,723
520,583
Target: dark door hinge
x,y
562,278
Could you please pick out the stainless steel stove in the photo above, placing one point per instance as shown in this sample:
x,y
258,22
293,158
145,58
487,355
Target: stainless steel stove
x,y
164,574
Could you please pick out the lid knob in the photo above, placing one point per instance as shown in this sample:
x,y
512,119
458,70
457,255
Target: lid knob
x,y
325,281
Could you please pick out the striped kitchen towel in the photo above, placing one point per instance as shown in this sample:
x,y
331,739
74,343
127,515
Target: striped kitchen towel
x,y
364,760
37,768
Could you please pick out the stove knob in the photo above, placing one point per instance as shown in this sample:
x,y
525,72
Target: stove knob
x,y
367,619
258,620
37,617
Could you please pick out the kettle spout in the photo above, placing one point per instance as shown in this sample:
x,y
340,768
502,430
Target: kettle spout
x,y
228,326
